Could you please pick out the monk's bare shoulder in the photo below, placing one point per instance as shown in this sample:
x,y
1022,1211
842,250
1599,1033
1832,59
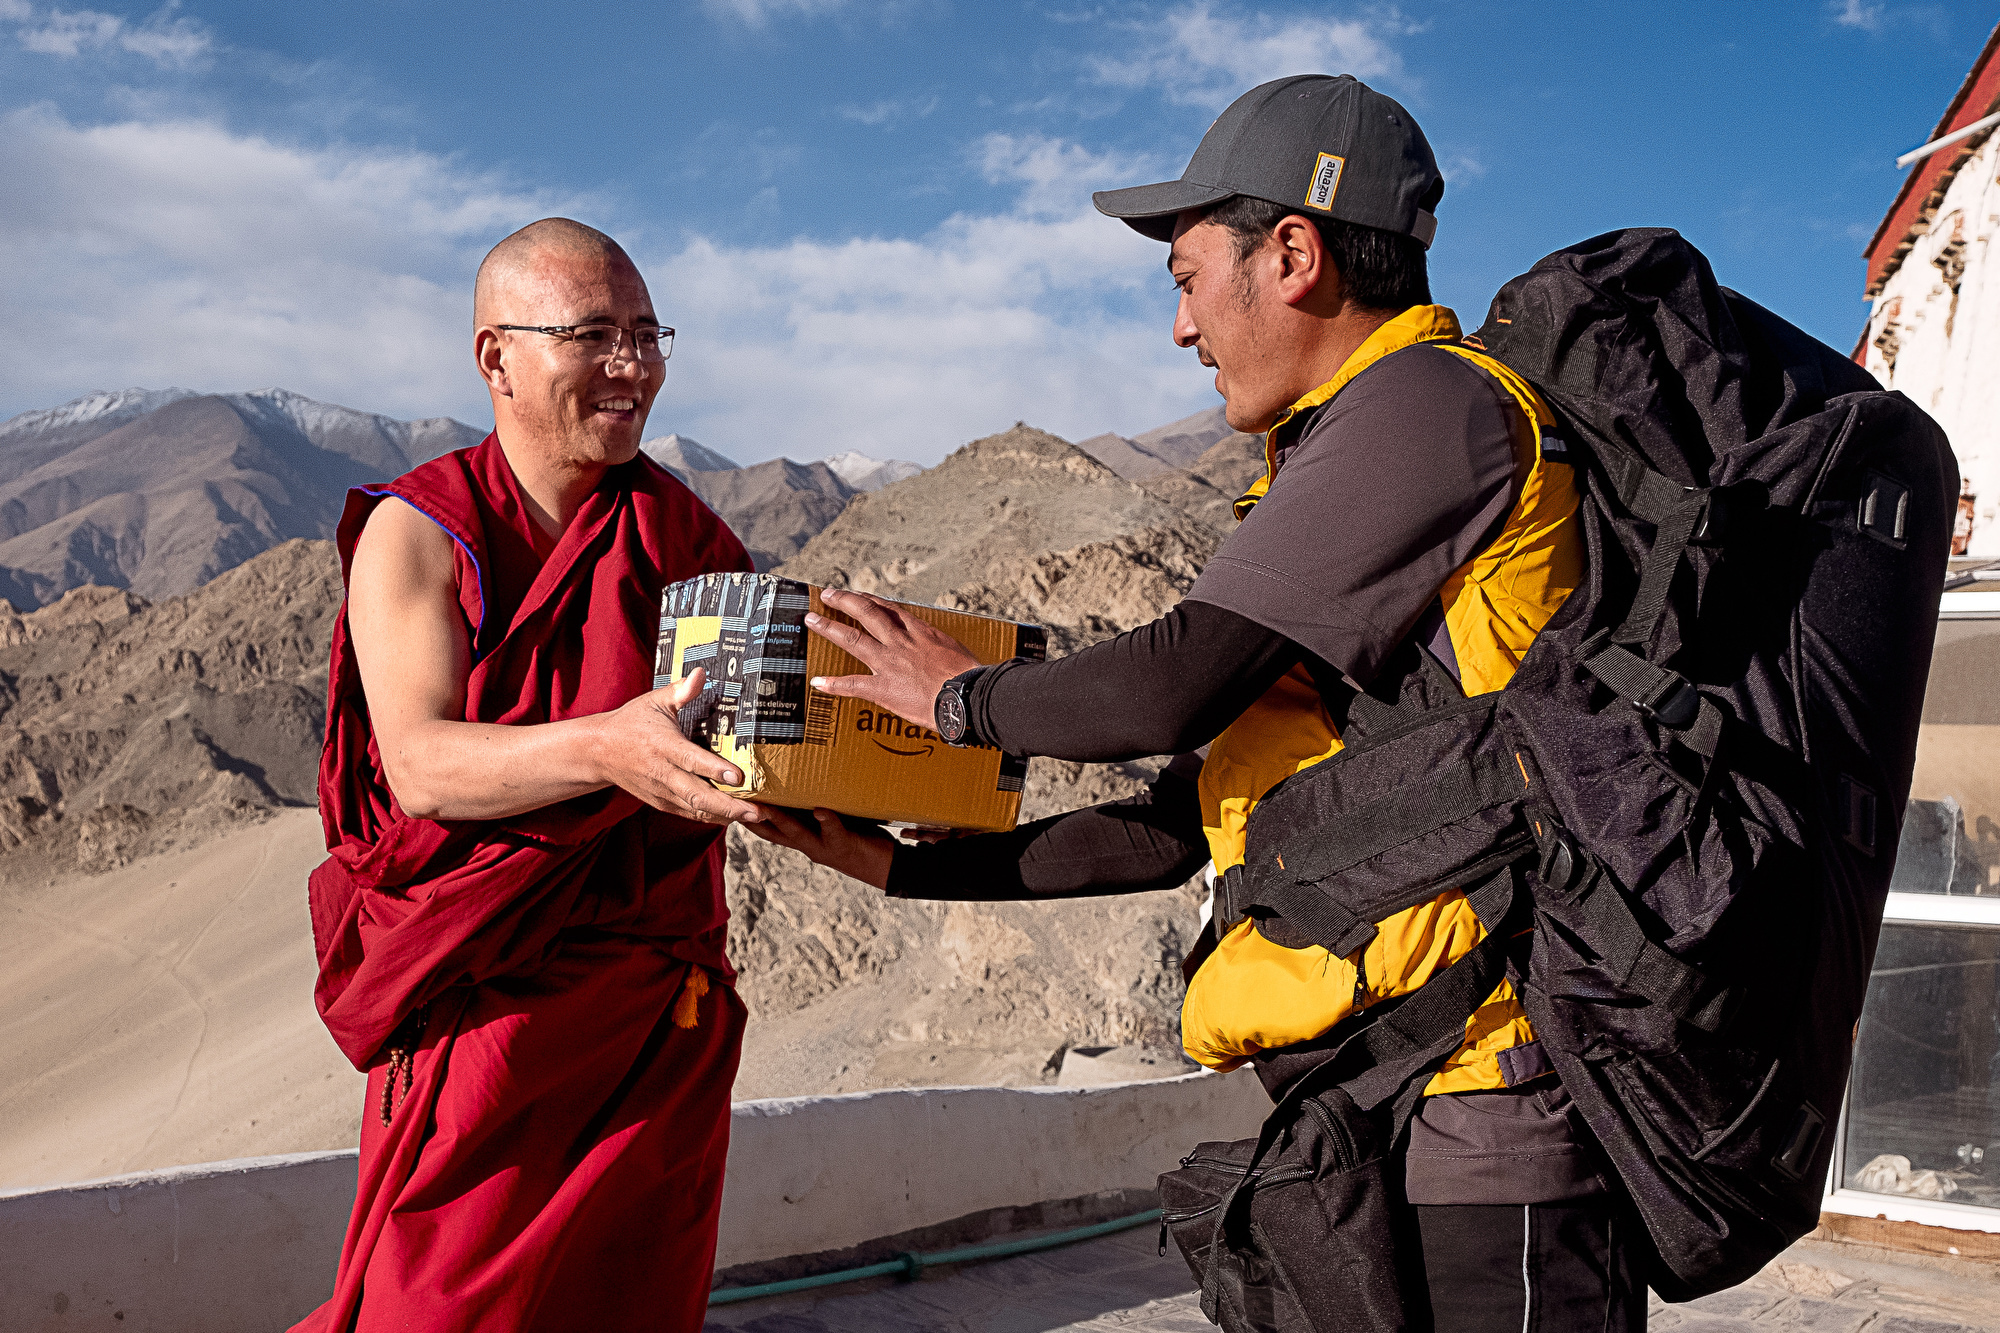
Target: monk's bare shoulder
x,y
402,557
403,617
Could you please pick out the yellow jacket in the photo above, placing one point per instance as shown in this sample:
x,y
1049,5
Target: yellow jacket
x,y
1252,995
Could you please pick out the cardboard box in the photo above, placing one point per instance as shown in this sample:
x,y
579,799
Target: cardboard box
x,y
798,747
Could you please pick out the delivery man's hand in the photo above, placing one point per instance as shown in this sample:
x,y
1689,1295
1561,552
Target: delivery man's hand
x,y
825,839
911,658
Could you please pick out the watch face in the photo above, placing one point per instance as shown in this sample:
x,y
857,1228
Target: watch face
x,y
951,716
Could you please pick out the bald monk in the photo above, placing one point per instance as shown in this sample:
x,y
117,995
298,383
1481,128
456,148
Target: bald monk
x,y
520,922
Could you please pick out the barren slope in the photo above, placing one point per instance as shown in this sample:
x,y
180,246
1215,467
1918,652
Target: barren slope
x,y
159,1011
976,516
775,507
126,727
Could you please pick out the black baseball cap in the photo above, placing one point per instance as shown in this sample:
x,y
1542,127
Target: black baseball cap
x,y
1322,144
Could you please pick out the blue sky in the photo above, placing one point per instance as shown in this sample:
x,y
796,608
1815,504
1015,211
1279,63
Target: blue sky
x,y
869,218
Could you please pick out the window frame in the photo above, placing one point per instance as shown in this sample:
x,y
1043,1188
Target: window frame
x,y
1921,909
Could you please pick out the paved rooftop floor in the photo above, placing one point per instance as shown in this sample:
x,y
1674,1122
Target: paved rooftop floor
x,y
1121,1283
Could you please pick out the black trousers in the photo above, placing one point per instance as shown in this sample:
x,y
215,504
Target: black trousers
x,y
1529,1268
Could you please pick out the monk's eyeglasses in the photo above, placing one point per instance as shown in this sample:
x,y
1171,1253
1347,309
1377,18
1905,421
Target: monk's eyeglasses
x,y
649,342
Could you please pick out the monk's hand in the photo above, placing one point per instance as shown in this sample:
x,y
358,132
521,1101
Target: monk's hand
x,y
826,839
643,750
911,658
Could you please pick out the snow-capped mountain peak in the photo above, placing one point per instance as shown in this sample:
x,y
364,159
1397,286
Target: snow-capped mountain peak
x,y
870,474
678,453
106,406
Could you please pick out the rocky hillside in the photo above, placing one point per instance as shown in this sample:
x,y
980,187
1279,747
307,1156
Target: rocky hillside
x,y
774,507
127,727
1021,523
1208,487
160,491
1176,445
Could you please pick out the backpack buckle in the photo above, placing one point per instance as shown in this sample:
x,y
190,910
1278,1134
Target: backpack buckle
x,y
1677,706
1558,867
1711,528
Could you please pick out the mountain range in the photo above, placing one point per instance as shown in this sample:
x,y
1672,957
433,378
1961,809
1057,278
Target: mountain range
x,y
774,507
159,491
1178,444
189,728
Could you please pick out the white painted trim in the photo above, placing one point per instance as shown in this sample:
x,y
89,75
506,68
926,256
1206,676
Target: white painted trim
x,y
1949,909
1957,1216
186,1175
1969,606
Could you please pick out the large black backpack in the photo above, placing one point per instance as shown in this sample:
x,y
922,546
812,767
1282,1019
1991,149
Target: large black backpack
x,y
1678,821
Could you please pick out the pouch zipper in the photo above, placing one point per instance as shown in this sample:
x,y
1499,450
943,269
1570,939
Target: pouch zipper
x,y
1336,1131
1281,1178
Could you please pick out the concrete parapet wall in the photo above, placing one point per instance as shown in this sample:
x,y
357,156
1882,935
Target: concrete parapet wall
x,y
808,1174
251,1244
243,1245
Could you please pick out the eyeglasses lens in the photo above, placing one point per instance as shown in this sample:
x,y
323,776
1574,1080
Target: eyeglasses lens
x,y
610,342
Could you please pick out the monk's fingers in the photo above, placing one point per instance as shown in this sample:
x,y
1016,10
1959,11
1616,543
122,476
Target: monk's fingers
x,y
683,691
689,797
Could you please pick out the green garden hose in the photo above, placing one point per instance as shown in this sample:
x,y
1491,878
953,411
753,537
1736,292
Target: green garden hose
x,y
909,1265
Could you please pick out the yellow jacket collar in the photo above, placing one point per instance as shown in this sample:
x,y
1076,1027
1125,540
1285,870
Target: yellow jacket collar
x,y
1420,323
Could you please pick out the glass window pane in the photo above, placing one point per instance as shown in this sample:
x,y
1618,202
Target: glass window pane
x,y
1923,1115
1951,832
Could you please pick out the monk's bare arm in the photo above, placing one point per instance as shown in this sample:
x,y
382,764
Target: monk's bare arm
x,y
410,644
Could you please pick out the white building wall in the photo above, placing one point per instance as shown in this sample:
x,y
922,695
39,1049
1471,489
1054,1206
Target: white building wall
x,y
1934,331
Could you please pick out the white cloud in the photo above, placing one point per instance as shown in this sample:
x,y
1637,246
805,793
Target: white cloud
x,y
907,348
756,13
1462,166
1855,14
1057,177
159,254
1203,56
889,113
156,254
67,33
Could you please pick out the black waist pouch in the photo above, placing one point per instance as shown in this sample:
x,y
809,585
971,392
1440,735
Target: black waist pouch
x,y
1303,1229
1306,1235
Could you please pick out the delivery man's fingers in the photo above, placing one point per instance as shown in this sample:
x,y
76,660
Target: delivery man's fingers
x,y
851,687
853,640
782,827
881,619
829,841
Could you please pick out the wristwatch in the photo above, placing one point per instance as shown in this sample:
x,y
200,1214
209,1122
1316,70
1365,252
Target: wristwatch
x,y
954,716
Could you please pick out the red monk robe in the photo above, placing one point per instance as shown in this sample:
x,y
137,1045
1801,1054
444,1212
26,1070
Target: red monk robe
x,y
541,1003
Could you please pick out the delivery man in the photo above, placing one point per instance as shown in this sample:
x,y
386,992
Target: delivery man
x,y
1406,507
